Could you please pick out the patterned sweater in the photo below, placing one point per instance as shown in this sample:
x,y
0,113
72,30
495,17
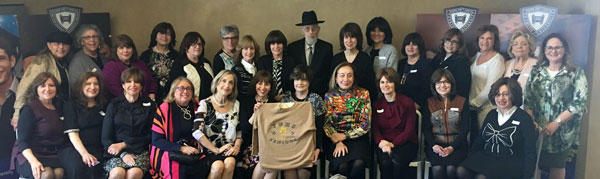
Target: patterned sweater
x,y
348,112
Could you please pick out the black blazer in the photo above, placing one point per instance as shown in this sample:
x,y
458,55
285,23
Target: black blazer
x,y
322,55
460,67
266,63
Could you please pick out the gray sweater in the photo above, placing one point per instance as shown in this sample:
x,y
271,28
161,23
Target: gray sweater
x,y
387,57
81,63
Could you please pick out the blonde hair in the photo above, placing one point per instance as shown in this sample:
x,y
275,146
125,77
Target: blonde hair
x,y
171,95
215,82
528,37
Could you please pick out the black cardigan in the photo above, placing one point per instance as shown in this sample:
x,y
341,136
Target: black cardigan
x,y
460,68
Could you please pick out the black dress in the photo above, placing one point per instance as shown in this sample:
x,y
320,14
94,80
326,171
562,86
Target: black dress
x,y
504,151
364,75
460,68
415,79
88,123
41,130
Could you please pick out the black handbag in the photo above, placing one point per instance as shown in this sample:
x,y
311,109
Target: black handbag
x,y
184,158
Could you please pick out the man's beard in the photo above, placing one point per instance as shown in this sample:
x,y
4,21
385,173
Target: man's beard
x,y
311,41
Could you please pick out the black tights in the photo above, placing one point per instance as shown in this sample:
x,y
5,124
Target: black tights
x,y
357,170
444,171
464,173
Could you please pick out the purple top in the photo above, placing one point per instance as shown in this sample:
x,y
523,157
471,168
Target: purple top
x,y
112,77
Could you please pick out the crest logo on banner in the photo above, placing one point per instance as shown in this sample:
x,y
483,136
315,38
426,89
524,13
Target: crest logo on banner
x,y
460,17
65,18
538,18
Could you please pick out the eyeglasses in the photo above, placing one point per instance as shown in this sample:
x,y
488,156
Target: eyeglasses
x,y
502,94
450,41
310,28
442,83
181,88
197,44
89,37
557,48
230,38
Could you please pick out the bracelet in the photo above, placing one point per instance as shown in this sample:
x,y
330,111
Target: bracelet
x,y
123,154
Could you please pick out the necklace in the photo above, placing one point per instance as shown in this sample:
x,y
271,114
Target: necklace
x,y
219,104
187,115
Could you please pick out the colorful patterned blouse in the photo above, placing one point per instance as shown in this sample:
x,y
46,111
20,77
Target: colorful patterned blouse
x,y
548,97
348,112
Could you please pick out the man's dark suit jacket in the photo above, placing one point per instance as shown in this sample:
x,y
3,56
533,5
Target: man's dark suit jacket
x,y
320,65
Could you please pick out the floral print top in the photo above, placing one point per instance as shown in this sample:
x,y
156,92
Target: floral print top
x,y
160,64
548,97
348,112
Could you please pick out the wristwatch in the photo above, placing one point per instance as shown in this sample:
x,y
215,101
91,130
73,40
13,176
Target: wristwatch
x,y
558,120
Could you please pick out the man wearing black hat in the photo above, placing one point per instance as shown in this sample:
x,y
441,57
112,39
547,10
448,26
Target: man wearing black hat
x,y
313,52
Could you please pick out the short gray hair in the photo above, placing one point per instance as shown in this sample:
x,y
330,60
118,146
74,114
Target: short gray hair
x,y
230,28
82,29
528,37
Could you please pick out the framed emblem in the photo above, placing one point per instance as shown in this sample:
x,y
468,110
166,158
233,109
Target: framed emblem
x,y
460,17
65,18
537,18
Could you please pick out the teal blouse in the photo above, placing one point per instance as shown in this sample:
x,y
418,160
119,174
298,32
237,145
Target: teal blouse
x,y
548,97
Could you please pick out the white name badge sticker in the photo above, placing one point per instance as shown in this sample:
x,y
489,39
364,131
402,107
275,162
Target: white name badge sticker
x,y
380,111
146,104
382,58
62,118
516,122
413,71
526,74
453,109
102,113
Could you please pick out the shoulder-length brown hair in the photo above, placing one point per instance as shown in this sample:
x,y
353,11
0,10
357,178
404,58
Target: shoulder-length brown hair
x,y
265,77
437,76
124,40
492,29
78,95
567,61
461,50
247,41
516,94
40,79
391,75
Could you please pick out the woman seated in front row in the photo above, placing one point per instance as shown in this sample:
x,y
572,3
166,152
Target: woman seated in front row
x,y
394,127
216,125
126,128
172,133
446,120
506,145
302,76
39,131
347,122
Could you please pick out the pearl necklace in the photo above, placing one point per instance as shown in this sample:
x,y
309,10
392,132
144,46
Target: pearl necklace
x,y
217,102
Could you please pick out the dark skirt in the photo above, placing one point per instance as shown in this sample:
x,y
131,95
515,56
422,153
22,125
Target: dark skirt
x,y
494,167
358,149
74,166
25,168
453,159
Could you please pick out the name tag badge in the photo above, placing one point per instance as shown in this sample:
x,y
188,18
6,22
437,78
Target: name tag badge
x,y
525,74
102,113
413,71
146,104
62,118
94,70
382,58
453,109
516,122
380,111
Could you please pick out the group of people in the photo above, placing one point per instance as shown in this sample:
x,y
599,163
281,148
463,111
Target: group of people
x,y
174,114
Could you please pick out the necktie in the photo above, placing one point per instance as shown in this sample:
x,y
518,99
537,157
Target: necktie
x,y
310,56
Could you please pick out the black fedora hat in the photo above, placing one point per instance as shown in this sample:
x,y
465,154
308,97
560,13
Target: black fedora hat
x,y
308,18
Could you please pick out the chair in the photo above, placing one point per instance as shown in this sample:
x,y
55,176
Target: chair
x,y
419,161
